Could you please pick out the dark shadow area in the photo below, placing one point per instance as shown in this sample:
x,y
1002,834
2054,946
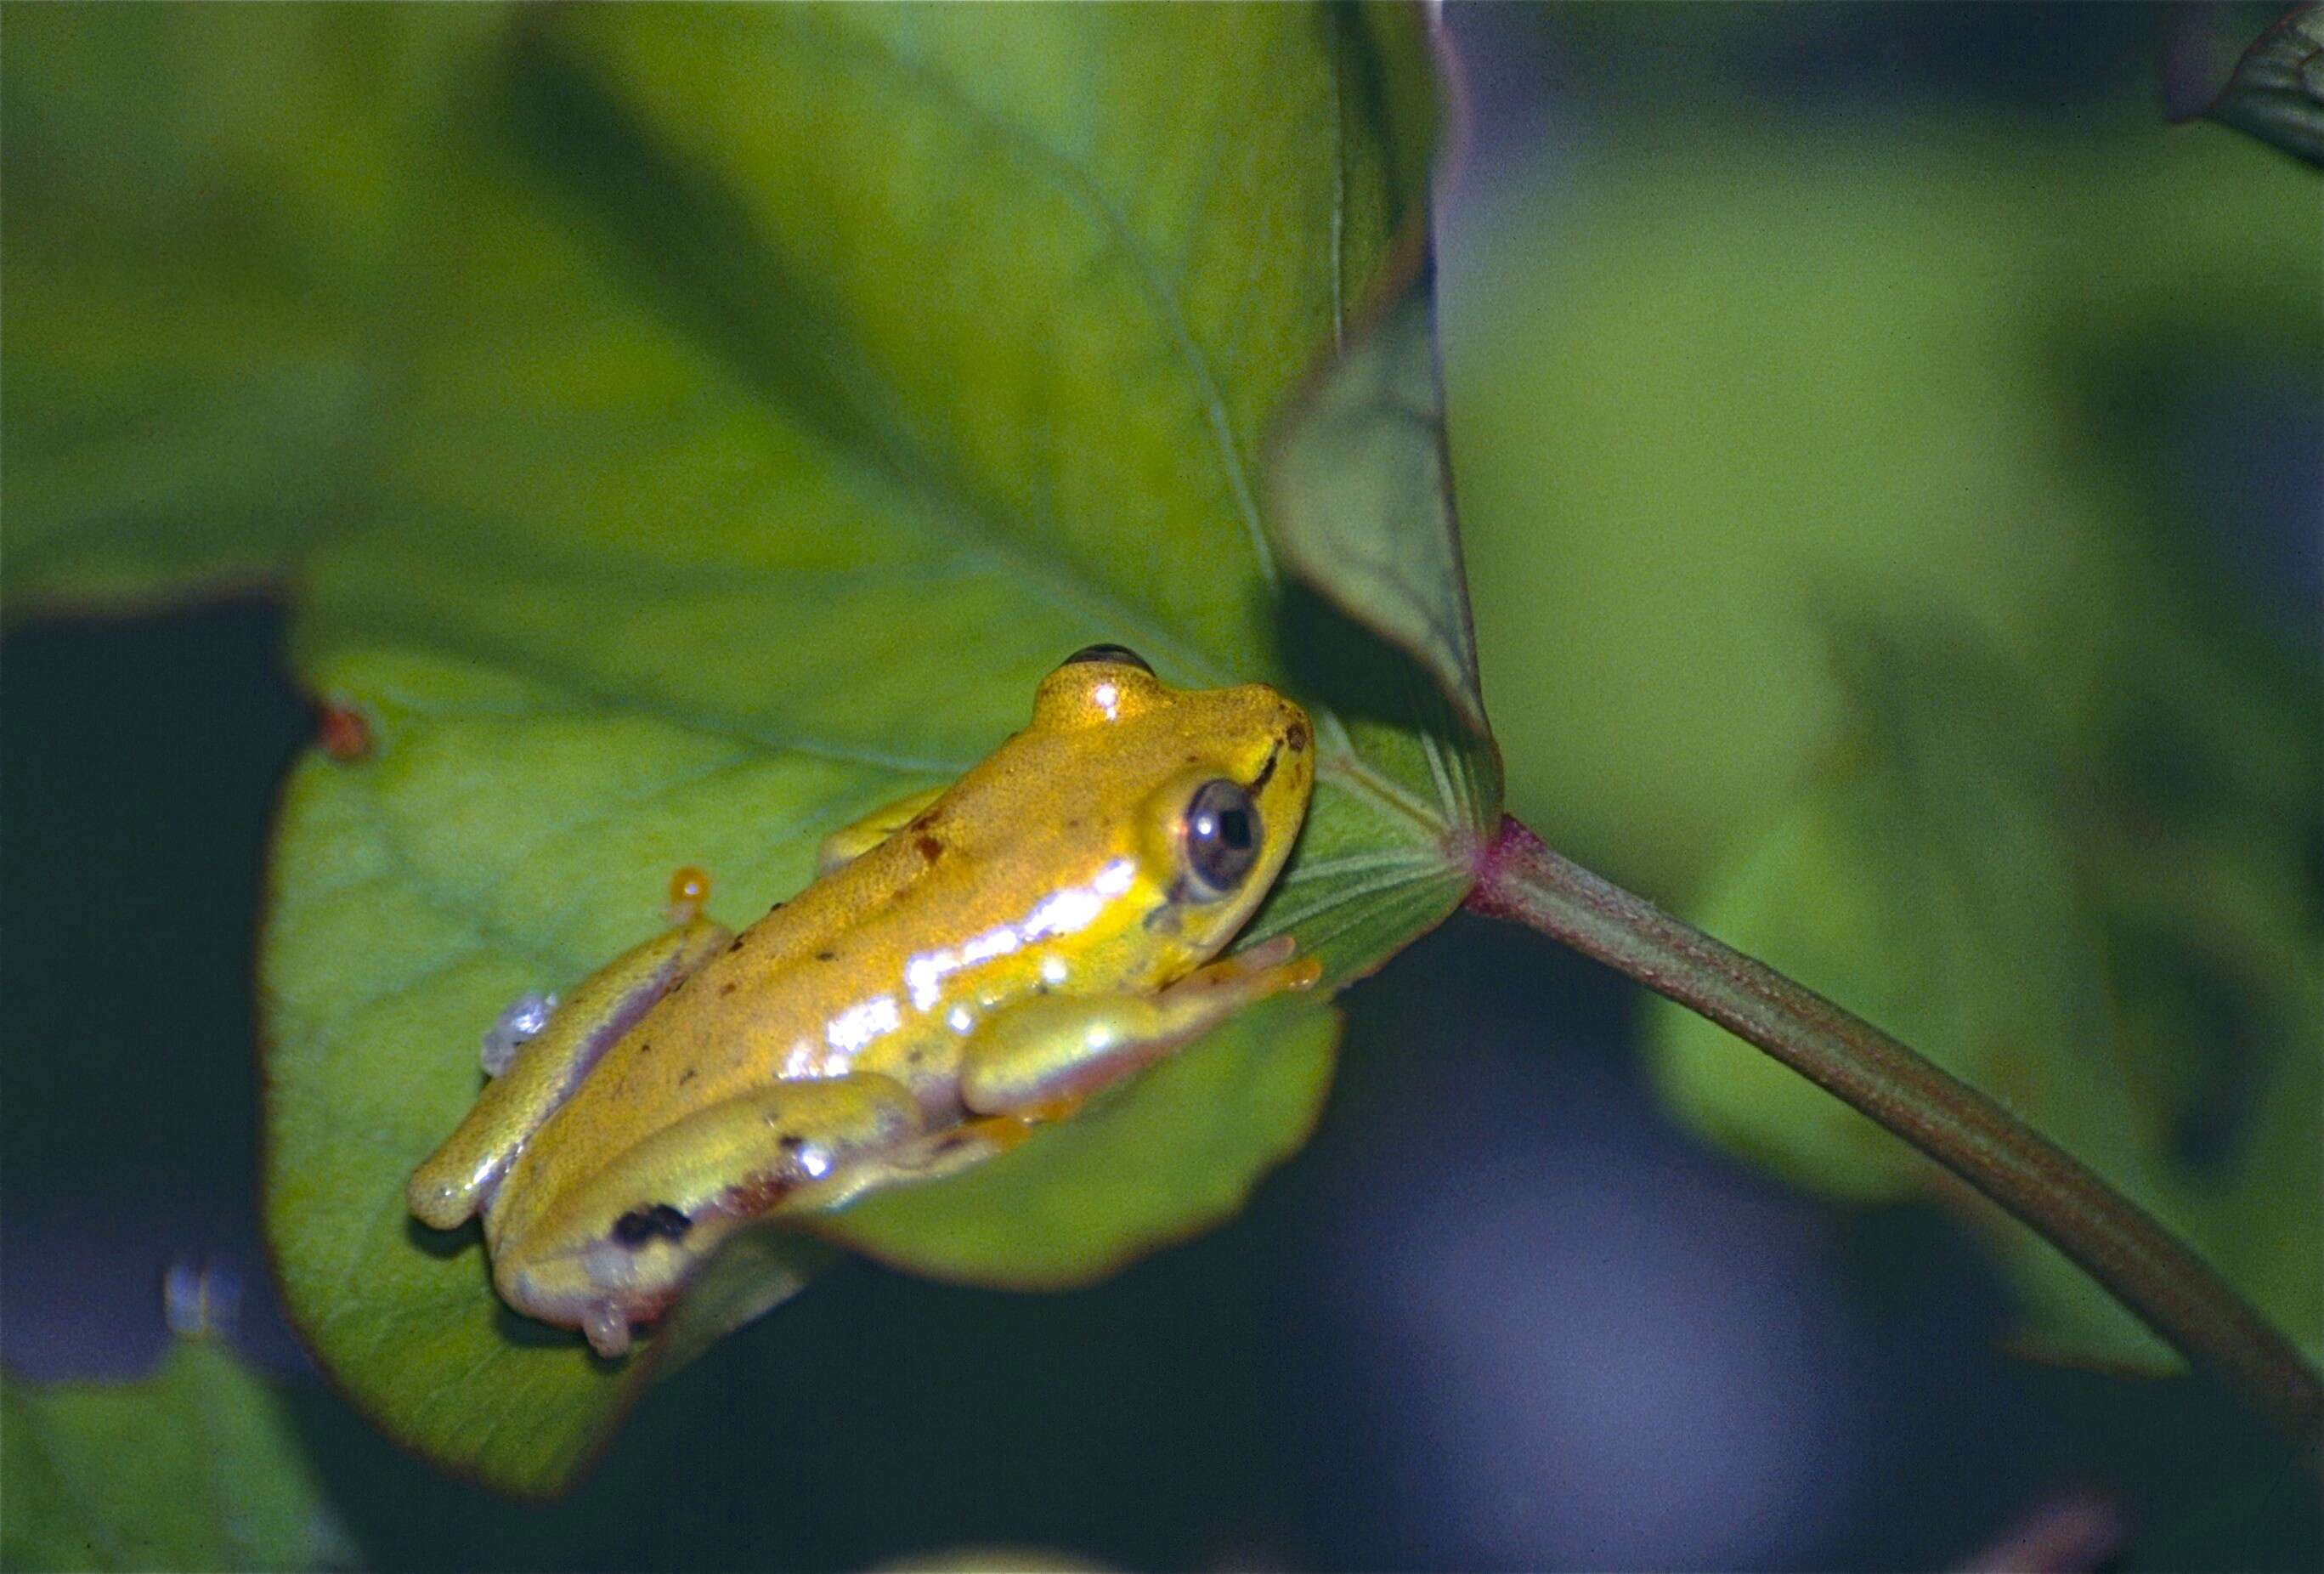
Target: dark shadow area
x,y
138,763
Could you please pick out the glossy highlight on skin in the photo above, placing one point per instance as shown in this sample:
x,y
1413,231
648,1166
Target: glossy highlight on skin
x,y
971,961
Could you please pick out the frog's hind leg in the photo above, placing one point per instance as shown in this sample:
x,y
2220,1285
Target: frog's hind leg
x,y
851,842
644,1220
536,1073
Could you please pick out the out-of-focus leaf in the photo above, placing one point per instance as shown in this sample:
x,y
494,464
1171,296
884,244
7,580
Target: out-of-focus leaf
x,y
2276,93
2217,969
196,1466
204,205
1932,879
1700,392
790,388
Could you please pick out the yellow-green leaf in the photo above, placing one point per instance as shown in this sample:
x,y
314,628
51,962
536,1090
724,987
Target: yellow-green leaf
x,y
787,389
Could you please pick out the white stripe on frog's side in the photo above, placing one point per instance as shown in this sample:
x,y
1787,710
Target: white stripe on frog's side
x,y
858,1025
1061,913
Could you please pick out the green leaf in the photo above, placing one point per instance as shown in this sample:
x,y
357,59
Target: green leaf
x,y
1932,880
788,388
1366,513
1867,357
2276,92
194,275
196,1466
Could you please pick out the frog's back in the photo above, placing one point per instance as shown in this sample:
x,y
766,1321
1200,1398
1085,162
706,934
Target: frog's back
x,y
881,964
1053,865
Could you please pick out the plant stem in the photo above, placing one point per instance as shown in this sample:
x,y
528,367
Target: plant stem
x,y
2141,1264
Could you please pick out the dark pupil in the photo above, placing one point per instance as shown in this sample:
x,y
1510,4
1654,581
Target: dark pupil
x,y
1221,838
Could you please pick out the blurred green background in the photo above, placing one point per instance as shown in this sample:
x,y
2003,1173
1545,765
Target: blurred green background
x,y
1888,458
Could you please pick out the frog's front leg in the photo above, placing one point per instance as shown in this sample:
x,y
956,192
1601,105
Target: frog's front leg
x,y
851,842
538,1073
1041,1057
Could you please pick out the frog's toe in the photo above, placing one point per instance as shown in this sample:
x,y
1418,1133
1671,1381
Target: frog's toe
x,y
1267,954
607,1328
440,1203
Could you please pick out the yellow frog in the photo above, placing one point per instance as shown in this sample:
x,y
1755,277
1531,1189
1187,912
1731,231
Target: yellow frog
x,y
970,961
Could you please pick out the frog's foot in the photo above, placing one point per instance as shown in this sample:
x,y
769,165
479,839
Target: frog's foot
x,y
1039,1059
607,1328
1233,982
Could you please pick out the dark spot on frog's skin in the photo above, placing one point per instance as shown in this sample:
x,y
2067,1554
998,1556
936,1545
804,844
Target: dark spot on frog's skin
x,y
646,1048
756,1195
640,1225
1072,825
791,1142
927,817
735,946
826,956
1296,736
685,1076
916,1057
930,849
1194,759
950,1142
727,987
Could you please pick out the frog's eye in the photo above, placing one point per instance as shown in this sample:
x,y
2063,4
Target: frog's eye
x,y
1119,655
1218,836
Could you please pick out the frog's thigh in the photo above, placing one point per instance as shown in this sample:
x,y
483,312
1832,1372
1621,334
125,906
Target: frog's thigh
x,y
851,842
1047,1054
744,1156
457,1180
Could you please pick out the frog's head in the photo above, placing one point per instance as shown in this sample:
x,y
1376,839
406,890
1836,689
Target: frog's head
x,y
1215,782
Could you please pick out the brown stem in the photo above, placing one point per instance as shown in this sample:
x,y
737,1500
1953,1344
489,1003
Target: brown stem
x,y
2141,1264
